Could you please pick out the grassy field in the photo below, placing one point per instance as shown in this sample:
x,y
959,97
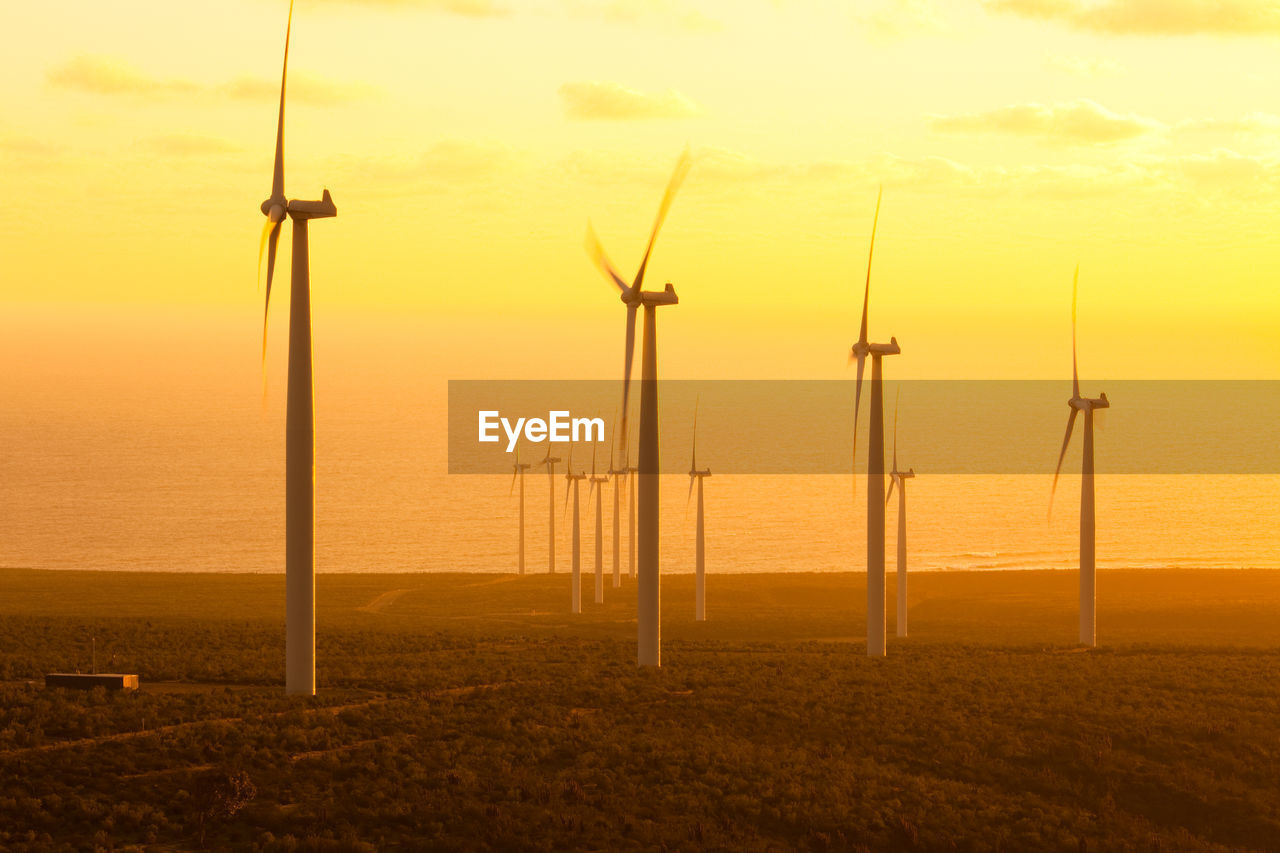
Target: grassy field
x,y
474,712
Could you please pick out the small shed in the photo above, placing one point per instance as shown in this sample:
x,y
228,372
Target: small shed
x,y
88,681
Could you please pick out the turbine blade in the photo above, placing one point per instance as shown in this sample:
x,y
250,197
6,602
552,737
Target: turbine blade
x,y
514,473
271,234
677,178
1075,375
601,260
277,174
1071,421
866,293
857,402
568,485
626,370
889,494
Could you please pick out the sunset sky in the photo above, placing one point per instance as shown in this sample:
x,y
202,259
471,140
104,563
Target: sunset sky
x,y
467,142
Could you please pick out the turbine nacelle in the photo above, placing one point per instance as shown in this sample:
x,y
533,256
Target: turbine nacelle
x,y
1084,404
667,296
693,472
321,209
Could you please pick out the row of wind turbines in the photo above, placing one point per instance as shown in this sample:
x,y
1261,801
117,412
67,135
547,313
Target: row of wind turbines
x,y
596,486
643,479
633,296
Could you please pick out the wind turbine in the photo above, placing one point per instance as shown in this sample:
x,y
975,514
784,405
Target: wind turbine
x,y
700,552
550,461
571,484
517,473
594,482
1088,569
300,568
875,461
649,630
900,479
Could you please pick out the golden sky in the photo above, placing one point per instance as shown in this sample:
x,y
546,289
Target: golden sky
x,y
466,143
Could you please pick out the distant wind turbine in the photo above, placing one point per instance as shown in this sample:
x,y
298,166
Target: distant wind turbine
x,y
649,631
1088,569
571,485
700,551
300,568
597,485
900,479
875,461
550,461
517,473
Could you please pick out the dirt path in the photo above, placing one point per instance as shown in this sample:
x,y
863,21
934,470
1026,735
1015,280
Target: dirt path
x,y
382,601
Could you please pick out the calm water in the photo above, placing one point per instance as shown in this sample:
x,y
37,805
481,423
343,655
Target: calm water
x,y
160,456
197,485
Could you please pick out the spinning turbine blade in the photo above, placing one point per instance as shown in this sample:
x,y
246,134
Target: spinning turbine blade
x,y
271,234
892,481
1071,421
862,336
866,293
626,370
857,401
677,178
601,260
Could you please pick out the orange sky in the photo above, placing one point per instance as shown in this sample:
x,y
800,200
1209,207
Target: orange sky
x,y
466,142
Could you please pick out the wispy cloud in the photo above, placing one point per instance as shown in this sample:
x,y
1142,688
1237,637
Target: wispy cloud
x,y
1084,66
1081,121
596,99
1152,17
302,87
101,75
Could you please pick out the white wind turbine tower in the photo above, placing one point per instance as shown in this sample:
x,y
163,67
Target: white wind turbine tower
x,y
300,567
550,461
649,631
517,473
700,550
597,485
900,478
875,462
1088,589
571,485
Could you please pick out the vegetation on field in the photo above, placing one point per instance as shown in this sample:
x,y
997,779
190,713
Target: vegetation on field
x,y
479,717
